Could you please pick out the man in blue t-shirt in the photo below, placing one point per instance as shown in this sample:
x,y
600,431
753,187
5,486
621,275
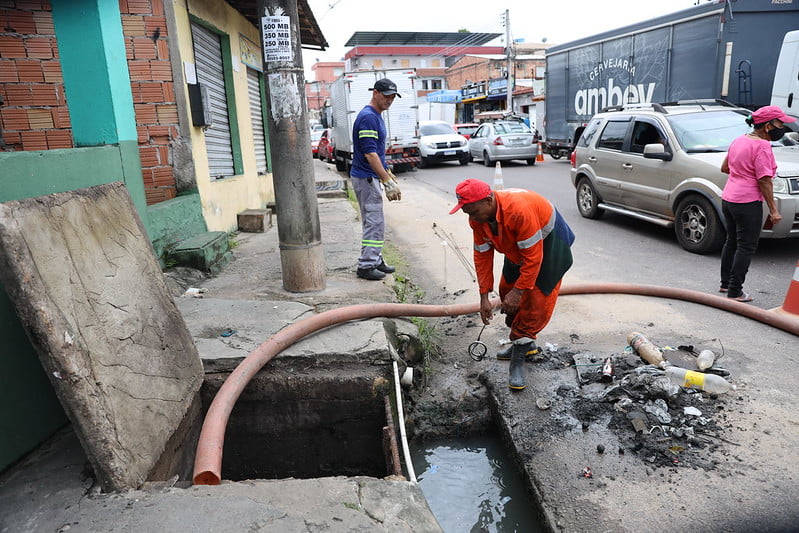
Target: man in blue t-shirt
x,y
368,173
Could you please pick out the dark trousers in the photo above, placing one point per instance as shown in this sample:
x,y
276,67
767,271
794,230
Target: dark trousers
x,y
743,223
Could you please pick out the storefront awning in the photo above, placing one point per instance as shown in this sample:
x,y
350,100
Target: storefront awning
x,y
444,97
475,99
502,96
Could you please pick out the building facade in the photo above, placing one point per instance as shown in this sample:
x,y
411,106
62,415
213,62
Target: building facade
x,y
454,61
165,97
483,83
317,92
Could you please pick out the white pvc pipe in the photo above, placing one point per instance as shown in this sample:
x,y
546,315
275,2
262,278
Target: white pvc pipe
x,y
405,450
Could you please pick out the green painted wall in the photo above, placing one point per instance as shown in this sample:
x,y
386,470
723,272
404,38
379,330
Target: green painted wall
x,y
29,174
25,392
175,220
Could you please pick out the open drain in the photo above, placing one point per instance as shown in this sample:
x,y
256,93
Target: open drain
x,y
322,422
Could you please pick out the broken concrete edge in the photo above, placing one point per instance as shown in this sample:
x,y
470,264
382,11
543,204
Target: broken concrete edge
x,y
402,344
388,504
546,515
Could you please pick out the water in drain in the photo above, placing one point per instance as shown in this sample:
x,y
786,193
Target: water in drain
x,y
471,485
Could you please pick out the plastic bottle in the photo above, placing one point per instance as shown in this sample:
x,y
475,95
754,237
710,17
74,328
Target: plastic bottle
x,y
607,370
705,360
697,380
648,351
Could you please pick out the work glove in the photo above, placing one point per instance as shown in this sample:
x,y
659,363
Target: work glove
x,y
391,187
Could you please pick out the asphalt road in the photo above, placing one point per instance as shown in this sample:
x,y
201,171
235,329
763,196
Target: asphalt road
x,y
621,249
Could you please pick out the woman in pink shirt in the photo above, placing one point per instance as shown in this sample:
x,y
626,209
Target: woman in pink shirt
x,y
751,166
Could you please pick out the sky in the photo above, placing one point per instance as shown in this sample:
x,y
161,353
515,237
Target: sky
x,y
557,21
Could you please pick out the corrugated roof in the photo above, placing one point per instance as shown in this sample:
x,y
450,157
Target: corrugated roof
x,y
418,38
310,32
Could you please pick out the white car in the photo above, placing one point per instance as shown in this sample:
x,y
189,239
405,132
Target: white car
x,y
438,141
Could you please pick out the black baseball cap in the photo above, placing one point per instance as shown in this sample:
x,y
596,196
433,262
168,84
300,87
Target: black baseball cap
x,y
386,87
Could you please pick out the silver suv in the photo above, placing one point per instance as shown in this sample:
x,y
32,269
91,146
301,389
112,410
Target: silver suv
x,y
661,163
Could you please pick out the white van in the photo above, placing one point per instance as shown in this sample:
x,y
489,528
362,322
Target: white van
x,y
785,92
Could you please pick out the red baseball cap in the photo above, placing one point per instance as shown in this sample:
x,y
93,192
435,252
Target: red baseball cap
x,y
470,191
769,113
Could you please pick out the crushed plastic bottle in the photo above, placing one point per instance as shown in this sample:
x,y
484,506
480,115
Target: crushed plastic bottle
x,y
648,351
697,380
705,360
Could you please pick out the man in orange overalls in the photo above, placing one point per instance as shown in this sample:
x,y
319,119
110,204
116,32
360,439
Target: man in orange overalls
x,y
536,241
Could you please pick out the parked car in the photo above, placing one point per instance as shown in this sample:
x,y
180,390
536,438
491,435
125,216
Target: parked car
x,y
661,163
315,136
325,148
438,141
503,141
466,129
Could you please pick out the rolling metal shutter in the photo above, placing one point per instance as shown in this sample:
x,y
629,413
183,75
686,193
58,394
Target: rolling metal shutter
x,y
259,140
208,63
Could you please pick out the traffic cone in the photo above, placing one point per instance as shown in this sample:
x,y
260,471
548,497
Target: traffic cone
x,y
540,156
499,184
791,303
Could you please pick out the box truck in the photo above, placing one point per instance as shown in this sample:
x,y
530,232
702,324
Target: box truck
x,y
350,93
724,50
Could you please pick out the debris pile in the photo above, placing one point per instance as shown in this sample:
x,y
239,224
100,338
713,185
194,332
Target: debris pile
x,y
667,415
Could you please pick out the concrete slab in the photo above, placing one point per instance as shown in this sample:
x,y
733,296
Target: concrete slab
x,y
121,361
226,331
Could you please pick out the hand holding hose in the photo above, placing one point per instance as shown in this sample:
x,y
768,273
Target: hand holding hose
x,y
391,187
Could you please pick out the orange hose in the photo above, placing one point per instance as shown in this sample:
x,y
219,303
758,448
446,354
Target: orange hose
x,y
784,322
208,458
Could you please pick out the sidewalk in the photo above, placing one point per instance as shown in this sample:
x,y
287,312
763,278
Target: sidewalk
x,y
50,491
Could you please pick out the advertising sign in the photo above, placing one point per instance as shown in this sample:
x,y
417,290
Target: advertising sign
x,y
276,34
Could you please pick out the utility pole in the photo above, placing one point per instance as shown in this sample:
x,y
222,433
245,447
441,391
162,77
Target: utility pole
x,y
509,51
298,228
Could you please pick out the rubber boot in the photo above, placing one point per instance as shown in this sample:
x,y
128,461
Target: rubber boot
x,y
516,371
504,353
532,351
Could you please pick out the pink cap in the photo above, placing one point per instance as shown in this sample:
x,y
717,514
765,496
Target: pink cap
x,y
769,113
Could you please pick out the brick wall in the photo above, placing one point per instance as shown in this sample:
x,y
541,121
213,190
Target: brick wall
x,y
34,113
146,46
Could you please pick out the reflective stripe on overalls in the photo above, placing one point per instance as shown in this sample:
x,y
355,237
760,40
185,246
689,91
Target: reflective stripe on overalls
x,y
370,202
